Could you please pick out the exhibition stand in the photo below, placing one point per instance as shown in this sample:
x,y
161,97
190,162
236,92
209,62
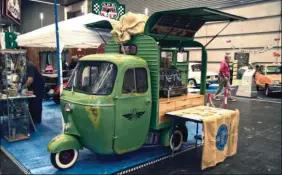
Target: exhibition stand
x,y
116,126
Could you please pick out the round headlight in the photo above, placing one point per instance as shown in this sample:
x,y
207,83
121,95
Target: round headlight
x,y
67,107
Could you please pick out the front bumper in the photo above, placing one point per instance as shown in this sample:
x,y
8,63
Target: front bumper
x,y
275,88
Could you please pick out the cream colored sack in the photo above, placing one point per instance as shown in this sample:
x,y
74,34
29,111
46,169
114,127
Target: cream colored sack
x,y
128,25
220,137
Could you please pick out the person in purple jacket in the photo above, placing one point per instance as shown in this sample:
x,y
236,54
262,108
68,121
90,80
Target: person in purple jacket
x,y
224,77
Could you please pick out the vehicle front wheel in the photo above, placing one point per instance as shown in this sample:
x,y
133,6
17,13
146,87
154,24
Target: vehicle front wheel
x,y
64,159
266,90
176,140
192,82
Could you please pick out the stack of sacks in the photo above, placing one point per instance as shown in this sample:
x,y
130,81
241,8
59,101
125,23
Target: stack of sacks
x,y
129,24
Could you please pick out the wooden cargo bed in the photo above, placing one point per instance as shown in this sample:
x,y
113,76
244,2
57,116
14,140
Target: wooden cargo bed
x,y
178,103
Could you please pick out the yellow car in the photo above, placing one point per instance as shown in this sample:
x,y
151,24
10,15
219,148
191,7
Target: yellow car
x,y
268,77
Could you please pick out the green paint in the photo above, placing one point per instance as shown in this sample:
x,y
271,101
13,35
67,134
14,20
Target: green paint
x,y
10,40
63,142
165,136
108,8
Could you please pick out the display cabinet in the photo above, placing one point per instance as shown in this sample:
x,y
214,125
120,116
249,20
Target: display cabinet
x,y
15,116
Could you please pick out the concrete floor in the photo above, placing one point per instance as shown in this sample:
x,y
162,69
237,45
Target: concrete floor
x,y
259,147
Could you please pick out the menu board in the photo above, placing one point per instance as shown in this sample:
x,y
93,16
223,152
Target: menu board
x,y
177,25
243,60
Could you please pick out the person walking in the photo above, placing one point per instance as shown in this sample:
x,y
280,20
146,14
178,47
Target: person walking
x,y
224,78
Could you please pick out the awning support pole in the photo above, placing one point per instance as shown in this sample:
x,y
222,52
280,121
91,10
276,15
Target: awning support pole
x,y
217,34
58,44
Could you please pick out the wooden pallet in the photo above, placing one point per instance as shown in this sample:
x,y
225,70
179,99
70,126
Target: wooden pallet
x,y
178,103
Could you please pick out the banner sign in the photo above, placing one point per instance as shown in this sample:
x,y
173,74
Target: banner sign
x,y
108,8
8,40
12,9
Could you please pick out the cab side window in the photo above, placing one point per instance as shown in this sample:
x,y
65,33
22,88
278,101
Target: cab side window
x,y
128,82
135,81
141,80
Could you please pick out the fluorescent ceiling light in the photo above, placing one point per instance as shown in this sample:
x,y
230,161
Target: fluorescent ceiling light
x,y
146,11
44,2
41,16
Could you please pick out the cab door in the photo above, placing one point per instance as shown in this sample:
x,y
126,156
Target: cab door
x,y
133,109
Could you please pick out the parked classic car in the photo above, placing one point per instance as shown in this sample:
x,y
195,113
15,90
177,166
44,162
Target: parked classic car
x,y
268,77
194,75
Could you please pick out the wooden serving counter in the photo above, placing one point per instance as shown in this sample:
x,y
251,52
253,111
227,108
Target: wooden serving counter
x,y
178,103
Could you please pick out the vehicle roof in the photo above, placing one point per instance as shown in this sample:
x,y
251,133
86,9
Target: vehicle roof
x,y
118,59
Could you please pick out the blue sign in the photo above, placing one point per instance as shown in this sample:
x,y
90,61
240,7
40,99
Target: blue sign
x,y
221,137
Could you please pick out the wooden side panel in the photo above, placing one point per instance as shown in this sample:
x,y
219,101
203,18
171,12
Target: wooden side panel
x,y
178,103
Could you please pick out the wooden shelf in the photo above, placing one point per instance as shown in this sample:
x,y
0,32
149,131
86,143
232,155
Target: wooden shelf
x,y
177,103
17,138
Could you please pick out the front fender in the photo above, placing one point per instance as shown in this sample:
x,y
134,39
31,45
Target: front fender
x,y
63,142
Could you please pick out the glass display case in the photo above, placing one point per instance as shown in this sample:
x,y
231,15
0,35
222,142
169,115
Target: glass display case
x,y
14,113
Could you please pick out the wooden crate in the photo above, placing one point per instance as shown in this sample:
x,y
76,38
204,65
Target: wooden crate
x,y
178,103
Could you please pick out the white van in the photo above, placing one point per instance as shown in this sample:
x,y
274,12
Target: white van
x,y
194,75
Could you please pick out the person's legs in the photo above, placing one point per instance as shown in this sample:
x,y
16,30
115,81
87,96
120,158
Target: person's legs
x,y
220,86
228,86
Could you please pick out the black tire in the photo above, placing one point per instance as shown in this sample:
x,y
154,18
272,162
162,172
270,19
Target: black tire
x,y
266,90
192,82
184,130
64,159
176,140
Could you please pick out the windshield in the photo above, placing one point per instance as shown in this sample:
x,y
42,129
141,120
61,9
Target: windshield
x,y
273,70
93,77
196,67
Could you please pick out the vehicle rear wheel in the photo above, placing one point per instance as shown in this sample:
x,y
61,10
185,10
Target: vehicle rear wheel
x,y
176,140
192,82
64,159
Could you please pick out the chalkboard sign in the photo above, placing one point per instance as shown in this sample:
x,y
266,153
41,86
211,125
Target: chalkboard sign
x,y
177,25
243,60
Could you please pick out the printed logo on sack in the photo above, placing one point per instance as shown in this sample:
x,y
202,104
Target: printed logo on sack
x,y
221,137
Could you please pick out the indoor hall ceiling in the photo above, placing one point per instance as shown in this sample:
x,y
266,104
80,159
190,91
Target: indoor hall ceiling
x,y
138,6
61,2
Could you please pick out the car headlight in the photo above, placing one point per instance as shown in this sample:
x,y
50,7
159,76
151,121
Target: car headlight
x,y
276,82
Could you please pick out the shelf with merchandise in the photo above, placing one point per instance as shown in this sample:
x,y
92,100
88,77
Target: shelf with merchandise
x,y
15,116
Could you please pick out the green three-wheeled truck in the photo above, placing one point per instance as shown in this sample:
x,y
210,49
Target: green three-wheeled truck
x,y
111,104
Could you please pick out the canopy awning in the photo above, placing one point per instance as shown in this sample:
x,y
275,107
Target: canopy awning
x,y
73,34
184,23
